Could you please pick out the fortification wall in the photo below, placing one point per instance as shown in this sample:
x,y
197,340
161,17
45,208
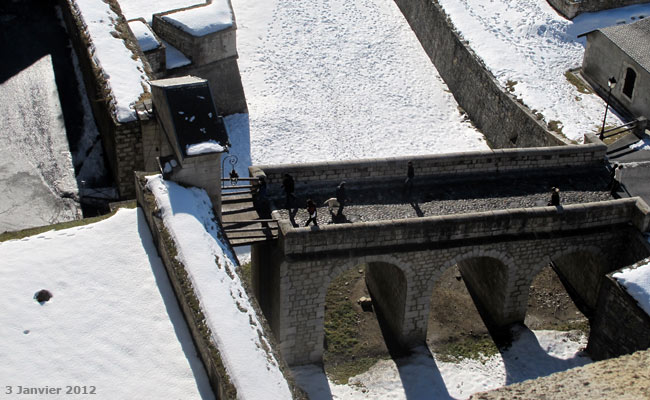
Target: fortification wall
x,y
451,165
122,142
619,326
504,121
571,8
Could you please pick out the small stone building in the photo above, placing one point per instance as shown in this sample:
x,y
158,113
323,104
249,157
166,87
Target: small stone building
x,y
622,52
187,136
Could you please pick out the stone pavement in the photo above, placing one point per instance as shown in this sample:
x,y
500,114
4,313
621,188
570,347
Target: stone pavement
x,y
431,198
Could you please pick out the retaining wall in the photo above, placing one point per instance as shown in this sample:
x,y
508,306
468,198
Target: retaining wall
x,y
449,165
572,8
504,121
619,326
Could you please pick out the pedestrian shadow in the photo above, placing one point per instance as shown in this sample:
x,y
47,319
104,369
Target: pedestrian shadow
x,y
417,209
527,359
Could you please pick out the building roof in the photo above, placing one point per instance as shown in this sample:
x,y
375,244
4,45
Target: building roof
x,y
633,39
193,115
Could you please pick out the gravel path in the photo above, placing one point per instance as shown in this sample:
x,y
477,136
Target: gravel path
x,y
372,203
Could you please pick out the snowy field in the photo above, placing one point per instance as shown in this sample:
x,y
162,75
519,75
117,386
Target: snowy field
x,y
113,323
339,79
36,168
527,42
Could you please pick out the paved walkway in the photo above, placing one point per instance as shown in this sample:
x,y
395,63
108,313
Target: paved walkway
x,y
430,198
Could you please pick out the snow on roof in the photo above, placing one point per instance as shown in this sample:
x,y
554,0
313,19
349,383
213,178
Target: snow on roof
x,y
187,215
113,321
201,21
124,74
633,39
211,146
146,38
637,283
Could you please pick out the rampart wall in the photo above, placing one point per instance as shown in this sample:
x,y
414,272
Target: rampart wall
x,y
451,165
571,8
503,120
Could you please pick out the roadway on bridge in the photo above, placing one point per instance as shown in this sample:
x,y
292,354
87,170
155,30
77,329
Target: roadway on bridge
x,y
435,197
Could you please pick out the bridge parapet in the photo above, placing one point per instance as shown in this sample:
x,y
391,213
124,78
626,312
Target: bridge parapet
x,y
439,166
440,230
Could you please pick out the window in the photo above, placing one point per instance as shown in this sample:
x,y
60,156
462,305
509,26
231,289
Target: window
x,y
630,78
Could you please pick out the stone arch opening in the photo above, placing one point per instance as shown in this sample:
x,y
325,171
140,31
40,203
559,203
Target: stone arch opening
x,y
363,316
551,307
581,272
454,322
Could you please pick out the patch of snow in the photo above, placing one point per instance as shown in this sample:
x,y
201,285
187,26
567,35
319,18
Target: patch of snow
x,y
637,283
145,9
238,128
144,35
419,376
526,42
125,76
187,214
174,58
340,79
113,322
642,144
201,21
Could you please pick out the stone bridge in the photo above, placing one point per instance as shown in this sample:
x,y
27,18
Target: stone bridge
x,y
498,252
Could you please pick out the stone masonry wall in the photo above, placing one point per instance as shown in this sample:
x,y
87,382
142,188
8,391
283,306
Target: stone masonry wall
x,y
438,166
572,8
504,121
129,156
203,171
304,279
437,229
619,326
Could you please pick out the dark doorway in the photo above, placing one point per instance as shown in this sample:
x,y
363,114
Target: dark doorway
x,y
630,78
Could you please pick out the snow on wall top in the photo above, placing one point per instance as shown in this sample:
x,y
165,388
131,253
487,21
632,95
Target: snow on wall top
x,y
124,75
145,36
637,283
236,330
133,9
91,331
201,21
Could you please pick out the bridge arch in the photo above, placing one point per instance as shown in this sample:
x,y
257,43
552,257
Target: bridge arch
x,y
581,269
489,276
389,281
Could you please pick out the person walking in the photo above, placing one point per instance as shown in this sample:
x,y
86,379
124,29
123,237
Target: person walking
x,y
408,183
555,197
313,213
340,197
289,186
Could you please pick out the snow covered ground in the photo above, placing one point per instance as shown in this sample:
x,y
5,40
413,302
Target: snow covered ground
x,y
420,376
527,42
340,79
36,168
113,323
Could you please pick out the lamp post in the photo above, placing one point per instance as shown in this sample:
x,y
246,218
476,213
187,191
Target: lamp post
x,y
611,83
232,160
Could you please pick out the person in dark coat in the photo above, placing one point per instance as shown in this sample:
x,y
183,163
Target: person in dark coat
x,y
313,213
289,186
408,183
340,197
555,197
